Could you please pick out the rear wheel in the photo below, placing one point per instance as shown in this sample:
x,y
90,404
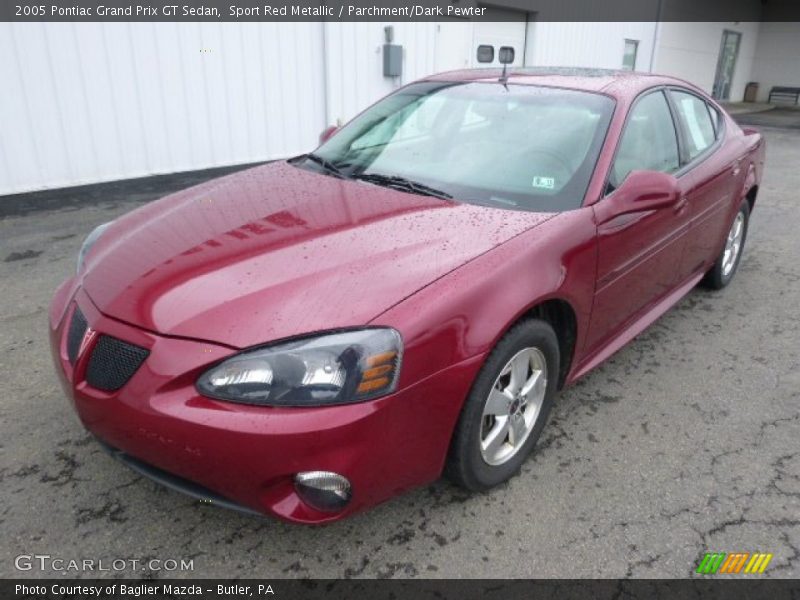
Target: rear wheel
x,y
507,407
727,262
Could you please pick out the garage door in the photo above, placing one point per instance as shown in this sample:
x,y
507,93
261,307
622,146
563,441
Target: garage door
x,y
509,32
90,102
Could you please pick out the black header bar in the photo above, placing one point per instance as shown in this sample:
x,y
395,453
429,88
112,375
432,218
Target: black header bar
x,y
707,588
397,10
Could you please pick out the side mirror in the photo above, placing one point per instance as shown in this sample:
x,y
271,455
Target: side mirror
x,y
641,191
327,133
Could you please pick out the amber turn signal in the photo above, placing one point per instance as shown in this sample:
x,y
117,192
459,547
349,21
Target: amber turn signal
x,y
379,374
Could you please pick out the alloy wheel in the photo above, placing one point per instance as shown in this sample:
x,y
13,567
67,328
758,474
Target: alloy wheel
x,y
513,406
733,245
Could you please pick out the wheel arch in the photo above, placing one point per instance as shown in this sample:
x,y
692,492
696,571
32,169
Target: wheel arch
x,y
750,187
561,316
558,313
751,196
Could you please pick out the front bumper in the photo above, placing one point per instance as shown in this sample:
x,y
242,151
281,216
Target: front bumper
x,y
247,456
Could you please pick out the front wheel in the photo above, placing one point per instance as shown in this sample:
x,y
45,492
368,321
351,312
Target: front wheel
x,y
507,407
727,262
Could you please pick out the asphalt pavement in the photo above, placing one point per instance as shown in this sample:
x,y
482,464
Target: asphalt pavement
x,y
685,442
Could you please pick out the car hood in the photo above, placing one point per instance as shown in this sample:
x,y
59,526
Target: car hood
x,y
277,251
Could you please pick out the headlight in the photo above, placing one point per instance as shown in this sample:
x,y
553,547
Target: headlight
x,y
89,242
336,368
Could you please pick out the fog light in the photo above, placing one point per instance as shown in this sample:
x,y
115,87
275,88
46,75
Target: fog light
x,y
323,490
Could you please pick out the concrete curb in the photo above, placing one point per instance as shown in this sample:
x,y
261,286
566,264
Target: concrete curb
x,y
744,108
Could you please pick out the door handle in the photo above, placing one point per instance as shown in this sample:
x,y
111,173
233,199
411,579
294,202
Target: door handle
x,y
682,203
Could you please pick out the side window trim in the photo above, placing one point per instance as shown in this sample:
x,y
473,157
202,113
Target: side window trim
x,y
680,132
716,120
689,165
643,94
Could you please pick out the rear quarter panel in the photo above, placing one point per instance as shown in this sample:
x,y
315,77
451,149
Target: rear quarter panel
x,y
756,149
743,151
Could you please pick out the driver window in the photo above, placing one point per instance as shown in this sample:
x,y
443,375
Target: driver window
x,y
649,141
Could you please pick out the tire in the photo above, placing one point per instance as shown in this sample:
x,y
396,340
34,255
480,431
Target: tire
x,y
721,274
473,462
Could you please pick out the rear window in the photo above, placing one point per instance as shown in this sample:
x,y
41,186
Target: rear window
x,y
696,122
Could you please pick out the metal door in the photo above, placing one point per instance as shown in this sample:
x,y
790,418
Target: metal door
x,y
726,64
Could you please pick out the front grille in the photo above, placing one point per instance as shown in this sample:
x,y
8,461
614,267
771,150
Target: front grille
x,y
77,329
113,363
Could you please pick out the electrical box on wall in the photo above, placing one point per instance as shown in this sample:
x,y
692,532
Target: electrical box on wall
x,y
392,60
392,54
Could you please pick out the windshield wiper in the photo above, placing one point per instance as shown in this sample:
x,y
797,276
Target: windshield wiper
x,y
325,164
401,183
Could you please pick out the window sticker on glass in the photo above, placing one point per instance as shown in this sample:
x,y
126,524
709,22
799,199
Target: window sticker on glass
x,y
692,121
546,183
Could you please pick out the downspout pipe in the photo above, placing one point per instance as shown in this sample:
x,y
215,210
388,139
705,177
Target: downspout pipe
x,y
656,37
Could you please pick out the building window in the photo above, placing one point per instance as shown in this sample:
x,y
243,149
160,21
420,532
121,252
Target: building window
x,y
629,57
485,53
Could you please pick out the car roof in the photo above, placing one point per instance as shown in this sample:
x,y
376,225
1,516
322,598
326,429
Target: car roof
x,y
610,81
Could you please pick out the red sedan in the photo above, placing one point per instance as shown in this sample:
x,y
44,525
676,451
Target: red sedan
x,y
310,337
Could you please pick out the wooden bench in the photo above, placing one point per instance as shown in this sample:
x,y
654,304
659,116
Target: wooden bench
x,y
784,93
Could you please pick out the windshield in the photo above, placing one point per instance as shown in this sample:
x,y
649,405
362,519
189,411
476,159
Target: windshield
x,y
513,146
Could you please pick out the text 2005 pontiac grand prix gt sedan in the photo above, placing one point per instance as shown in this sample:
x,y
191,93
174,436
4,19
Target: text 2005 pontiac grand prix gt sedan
x,y
310,337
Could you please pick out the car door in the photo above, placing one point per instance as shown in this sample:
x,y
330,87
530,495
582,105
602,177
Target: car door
x,y
639,253
717,176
